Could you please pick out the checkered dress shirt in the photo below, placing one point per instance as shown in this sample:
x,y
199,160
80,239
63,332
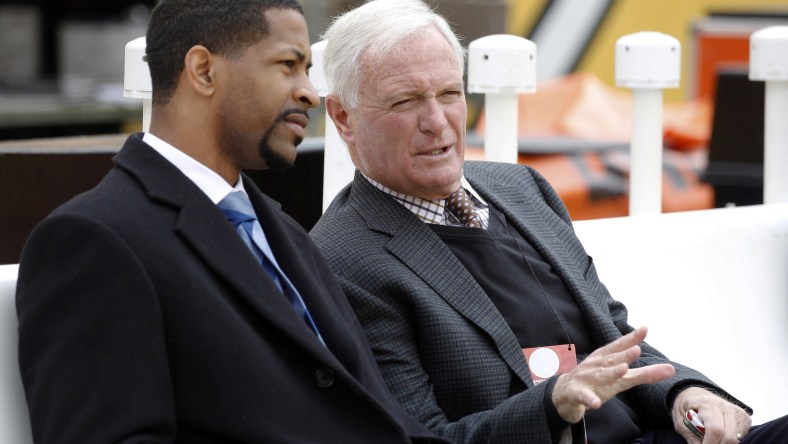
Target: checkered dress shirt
x,y
434,211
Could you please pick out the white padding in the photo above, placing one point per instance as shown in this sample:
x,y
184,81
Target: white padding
x,y
712,286
14,420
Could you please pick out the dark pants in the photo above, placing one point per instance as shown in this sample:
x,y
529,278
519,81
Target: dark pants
x,y
772,432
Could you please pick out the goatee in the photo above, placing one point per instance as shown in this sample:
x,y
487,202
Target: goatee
x,y
276,160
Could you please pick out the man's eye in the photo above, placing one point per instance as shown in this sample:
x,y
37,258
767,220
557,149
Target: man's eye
x,y
401,102
288,63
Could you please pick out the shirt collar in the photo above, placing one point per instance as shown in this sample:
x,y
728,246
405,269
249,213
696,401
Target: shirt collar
x,y
429,211
205,178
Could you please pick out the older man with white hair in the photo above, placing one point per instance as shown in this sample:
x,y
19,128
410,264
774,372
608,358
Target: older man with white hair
x,y
483,309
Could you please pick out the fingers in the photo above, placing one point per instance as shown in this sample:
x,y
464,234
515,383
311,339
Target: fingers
x,y
588,388
730,428
603,359
719,429
731,425
625,349
605,382
571,399
588,399
723,421
625,342
649,374
604,374
743,422
735,423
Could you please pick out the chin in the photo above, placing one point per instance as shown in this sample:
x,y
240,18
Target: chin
x,y
277,160
451,185
278,155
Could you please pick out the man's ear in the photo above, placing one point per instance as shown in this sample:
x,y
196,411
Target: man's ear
x,y
199,70
341,119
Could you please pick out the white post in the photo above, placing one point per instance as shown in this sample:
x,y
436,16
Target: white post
x,y
501,67
500,127
147,104
768,62
645,173
647,62
338,169
136,78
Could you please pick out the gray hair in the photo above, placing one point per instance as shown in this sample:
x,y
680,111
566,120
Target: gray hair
x,y
373,31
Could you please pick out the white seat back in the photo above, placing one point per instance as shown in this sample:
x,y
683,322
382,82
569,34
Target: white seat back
x,y
712,286
14,419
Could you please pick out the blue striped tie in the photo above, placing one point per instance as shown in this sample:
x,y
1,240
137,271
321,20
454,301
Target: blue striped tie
x,y
238,210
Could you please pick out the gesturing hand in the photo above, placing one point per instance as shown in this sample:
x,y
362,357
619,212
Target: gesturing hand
x,y
604,374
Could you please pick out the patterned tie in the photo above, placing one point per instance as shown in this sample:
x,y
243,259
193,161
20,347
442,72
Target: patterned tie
x,y
459,204
238,210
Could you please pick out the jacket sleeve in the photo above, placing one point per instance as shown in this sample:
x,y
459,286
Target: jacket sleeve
x,y
91,341
391,328
656,399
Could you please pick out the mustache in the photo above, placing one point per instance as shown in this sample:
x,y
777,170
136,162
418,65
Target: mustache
x,y
288,112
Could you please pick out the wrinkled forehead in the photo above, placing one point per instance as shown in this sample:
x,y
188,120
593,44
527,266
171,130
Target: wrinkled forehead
x,y
429,47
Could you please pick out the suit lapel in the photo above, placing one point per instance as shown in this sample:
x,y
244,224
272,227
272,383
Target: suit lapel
x,y
425,254
203,227
294,252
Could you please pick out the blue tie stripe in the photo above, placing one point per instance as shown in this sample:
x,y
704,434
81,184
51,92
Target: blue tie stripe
x,y
244,224
238,210
236,217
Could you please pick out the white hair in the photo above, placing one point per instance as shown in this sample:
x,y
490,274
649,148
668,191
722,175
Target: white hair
x,y
369,33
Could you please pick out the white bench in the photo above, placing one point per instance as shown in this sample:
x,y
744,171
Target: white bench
x,y
14,420
712,286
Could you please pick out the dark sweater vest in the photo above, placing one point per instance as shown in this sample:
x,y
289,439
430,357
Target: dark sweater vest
x,y
538,307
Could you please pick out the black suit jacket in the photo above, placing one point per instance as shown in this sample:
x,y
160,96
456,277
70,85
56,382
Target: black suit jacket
x,y
445,350
143,317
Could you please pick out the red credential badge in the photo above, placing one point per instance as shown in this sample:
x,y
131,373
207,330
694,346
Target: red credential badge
x,y
545,362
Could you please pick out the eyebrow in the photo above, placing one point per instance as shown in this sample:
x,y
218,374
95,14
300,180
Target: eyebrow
x,y
300,55
418,92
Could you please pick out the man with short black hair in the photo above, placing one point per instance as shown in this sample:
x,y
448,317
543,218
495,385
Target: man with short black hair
x,y
175,302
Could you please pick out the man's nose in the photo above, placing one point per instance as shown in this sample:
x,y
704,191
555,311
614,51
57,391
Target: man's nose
x,y
307,94
433,117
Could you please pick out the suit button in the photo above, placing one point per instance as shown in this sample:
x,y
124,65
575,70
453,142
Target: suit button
x,y
324,378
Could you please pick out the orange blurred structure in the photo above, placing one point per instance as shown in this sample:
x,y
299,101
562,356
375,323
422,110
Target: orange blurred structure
x,y
593,181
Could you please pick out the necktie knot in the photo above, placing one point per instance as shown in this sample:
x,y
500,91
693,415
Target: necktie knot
x,y
459,204
237,208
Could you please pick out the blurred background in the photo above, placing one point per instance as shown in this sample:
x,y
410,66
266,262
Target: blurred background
x,y
63,114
